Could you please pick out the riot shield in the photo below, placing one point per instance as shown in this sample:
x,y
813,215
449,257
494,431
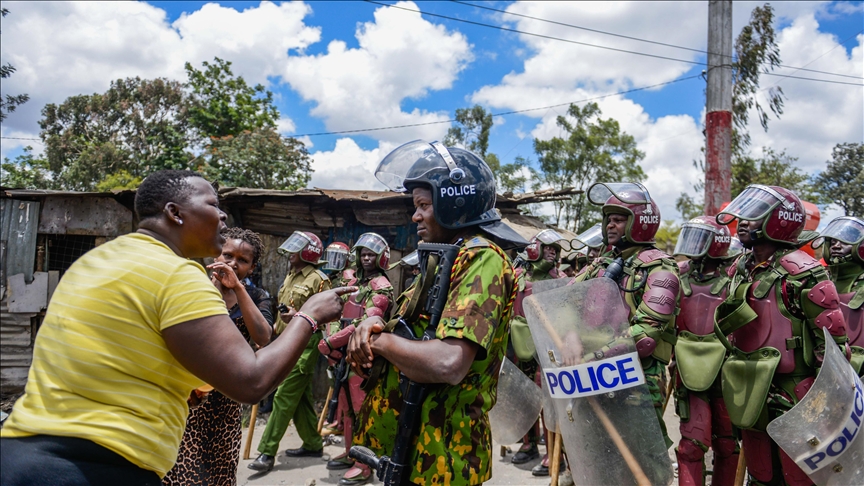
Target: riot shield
x,y
595,380
822,433
551,284
518,405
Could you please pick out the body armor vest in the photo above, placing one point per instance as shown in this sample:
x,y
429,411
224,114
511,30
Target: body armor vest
x,y
353,309
770,328
697,309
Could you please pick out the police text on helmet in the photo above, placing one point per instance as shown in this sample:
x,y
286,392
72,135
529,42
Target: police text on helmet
x,y
793,216
453,191
649,219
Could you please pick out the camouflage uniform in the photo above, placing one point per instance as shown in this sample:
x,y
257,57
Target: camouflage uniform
x,y
293,399
454,445
654,275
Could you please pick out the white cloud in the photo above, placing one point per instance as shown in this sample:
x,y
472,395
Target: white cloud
x,y
400,55
348,166
62,49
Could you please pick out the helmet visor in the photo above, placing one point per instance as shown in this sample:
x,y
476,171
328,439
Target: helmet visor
x,y
735,248
627,192
296,242
372,241
412,259
592,238
552,237
335,258
393,169
694,240
754,203
848,230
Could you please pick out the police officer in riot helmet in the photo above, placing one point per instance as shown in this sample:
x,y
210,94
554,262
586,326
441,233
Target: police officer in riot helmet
x,y
783,295
454,196
630,221
842,244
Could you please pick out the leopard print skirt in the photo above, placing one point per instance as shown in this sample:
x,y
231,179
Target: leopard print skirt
x,y
210,449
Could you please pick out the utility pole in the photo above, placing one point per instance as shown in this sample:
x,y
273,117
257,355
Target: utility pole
x,y
718,120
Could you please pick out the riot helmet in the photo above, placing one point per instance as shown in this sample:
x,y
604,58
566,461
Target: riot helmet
x,y
335,257
547,237
376,244
590,238
780,209
848,230
462,186
702,236
411,260
307,244
632,200
735,248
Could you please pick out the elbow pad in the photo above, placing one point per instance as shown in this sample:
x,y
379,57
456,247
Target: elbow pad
x,y
380,304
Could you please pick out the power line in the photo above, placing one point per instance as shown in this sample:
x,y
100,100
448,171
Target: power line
x,y
569,41
700,51
503,113
20,138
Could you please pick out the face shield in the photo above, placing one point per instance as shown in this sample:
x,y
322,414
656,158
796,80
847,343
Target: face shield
x,y
412,259
296,242
735,248
419,157
552,237
845,229
590,238
371,241
335,257
626,192
754,203
694,240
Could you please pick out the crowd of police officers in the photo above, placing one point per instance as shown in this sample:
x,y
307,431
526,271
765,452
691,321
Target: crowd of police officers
x,y
731,324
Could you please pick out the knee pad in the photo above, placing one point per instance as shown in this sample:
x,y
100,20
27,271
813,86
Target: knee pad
x,y
690,450
724,447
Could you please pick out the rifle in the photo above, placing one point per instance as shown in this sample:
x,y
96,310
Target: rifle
x,y
394,470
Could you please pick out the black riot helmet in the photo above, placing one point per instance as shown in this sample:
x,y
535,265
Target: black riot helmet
x,y
462,185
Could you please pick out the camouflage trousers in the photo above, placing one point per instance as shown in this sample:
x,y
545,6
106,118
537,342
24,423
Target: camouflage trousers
x,y
655,378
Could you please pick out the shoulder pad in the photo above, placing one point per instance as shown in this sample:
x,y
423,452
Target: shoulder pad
x,y
477,242
684,267
652,254
348,274
798,262
379,283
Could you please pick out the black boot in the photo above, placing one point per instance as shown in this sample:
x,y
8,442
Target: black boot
x,y
262,463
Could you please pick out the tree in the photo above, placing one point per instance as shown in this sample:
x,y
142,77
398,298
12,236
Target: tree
x,y
26,172
773,169
667,236
9,102
595,150
842,183
137,126
221,104
260,158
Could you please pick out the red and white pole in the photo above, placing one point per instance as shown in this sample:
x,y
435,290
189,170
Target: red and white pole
x,y
718,120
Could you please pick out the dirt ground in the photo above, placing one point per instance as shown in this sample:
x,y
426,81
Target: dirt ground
x,y
308,471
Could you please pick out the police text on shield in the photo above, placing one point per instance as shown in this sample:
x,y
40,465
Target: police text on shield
x,y
835,446
596,377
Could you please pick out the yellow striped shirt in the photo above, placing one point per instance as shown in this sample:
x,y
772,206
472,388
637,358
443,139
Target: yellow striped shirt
x,y
101,370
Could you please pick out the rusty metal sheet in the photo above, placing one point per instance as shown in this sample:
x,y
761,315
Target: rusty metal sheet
x,y
94,216
20,220
395,215
28,298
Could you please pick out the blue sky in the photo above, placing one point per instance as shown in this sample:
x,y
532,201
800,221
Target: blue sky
x,y
351,65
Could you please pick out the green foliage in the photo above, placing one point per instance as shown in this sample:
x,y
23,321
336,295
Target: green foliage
x,y
595,149
260,158
26,172
109,141
120,181
221,104
471,131
667,236
137,126
842,183
773,169
688,207
9,102
756,51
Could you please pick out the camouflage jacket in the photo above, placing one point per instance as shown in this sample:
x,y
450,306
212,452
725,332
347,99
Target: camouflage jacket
x,y
454,445
652,294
